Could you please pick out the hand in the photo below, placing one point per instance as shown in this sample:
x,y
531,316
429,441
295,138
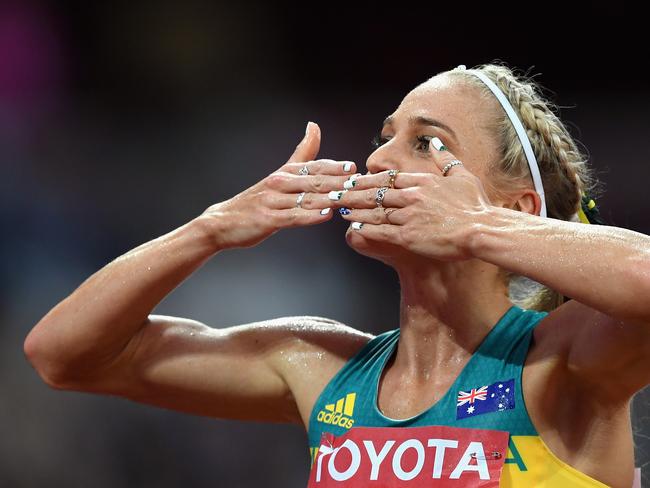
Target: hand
x,y
270,205
429,214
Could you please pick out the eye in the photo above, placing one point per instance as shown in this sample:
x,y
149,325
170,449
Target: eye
x,y
424,143
377,141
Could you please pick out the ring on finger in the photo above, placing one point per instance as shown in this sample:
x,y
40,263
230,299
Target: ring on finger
x,y
392,174
379,197
387,212
299,200
304,171
450,165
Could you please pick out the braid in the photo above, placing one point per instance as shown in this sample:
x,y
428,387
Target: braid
x,y
565,175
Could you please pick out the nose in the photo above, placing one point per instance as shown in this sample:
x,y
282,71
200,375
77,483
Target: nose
x,y
383,158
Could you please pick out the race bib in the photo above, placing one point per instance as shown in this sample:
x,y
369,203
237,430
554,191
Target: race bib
x,y
390,457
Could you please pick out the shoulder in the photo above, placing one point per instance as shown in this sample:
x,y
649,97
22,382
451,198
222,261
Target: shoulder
x,y
312,351
305,332
575,324
311,340
590,346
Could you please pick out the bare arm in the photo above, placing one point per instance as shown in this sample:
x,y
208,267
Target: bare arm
x,y
102,337
606,270
244,372
90,328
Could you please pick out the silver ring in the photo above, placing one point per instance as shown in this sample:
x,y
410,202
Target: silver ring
x,y
379,198
299,199
304,171
451,164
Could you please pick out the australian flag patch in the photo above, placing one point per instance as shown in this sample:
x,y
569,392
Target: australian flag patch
x,y
496,397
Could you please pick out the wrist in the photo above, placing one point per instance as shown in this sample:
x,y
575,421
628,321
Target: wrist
x,y
208,229
488,228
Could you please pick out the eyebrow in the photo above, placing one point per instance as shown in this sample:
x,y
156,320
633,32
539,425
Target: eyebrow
x,y
419,120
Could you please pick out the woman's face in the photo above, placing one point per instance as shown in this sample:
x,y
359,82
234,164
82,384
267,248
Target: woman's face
x,y
444,108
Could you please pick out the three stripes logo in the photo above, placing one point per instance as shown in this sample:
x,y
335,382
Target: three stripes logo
x,y
339,413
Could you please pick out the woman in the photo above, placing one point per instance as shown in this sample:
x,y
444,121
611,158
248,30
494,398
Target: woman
x,y
457,199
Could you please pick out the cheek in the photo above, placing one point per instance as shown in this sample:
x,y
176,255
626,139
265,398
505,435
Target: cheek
x,y
495,194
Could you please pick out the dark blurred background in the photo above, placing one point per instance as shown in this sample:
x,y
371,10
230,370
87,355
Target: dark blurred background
x,y
120,121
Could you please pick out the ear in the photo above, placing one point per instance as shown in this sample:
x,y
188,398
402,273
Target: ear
x,y
526,200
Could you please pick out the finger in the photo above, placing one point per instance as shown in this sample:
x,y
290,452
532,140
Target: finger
x,y
322,167
379,232
402,180
372,216
291,183
442,157
317,201
308,148
367,198
297,217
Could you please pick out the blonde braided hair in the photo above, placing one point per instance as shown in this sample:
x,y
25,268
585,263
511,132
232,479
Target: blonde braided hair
x,y
563,167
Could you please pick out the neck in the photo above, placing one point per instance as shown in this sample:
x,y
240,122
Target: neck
x,y
446,310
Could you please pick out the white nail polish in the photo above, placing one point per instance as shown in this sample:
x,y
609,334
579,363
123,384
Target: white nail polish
x,y
347,167
325,211
357,225
335,194
437,143
349,184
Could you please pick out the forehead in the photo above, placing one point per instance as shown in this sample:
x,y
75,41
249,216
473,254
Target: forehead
x,y
446,99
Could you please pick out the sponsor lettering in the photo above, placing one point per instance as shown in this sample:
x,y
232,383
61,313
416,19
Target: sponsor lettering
x,y
335,418
339,413
455,457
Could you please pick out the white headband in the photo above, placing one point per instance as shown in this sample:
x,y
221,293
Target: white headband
x,y
521,133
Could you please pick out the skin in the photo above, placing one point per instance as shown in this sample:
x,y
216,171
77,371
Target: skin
x,y
591,352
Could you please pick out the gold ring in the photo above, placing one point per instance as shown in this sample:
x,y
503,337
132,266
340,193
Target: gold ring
x,y
387,212
392,174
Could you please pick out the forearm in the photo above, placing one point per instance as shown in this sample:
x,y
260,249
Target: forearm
x,y
99,318
606,268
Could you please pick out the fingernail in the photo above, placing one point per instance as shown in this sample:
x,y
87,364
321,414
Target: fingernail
x,y
349,184
357,225
335,194
307,128
347,167
325,211
344,211
437,143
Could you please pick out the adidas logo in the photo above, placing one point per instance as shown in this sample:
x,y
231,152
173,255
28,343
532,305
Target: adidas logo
x,y
339,413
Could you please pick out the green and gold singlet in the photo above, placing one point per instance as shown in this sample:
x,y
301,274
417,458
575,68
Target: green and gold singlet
x,y
486,396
